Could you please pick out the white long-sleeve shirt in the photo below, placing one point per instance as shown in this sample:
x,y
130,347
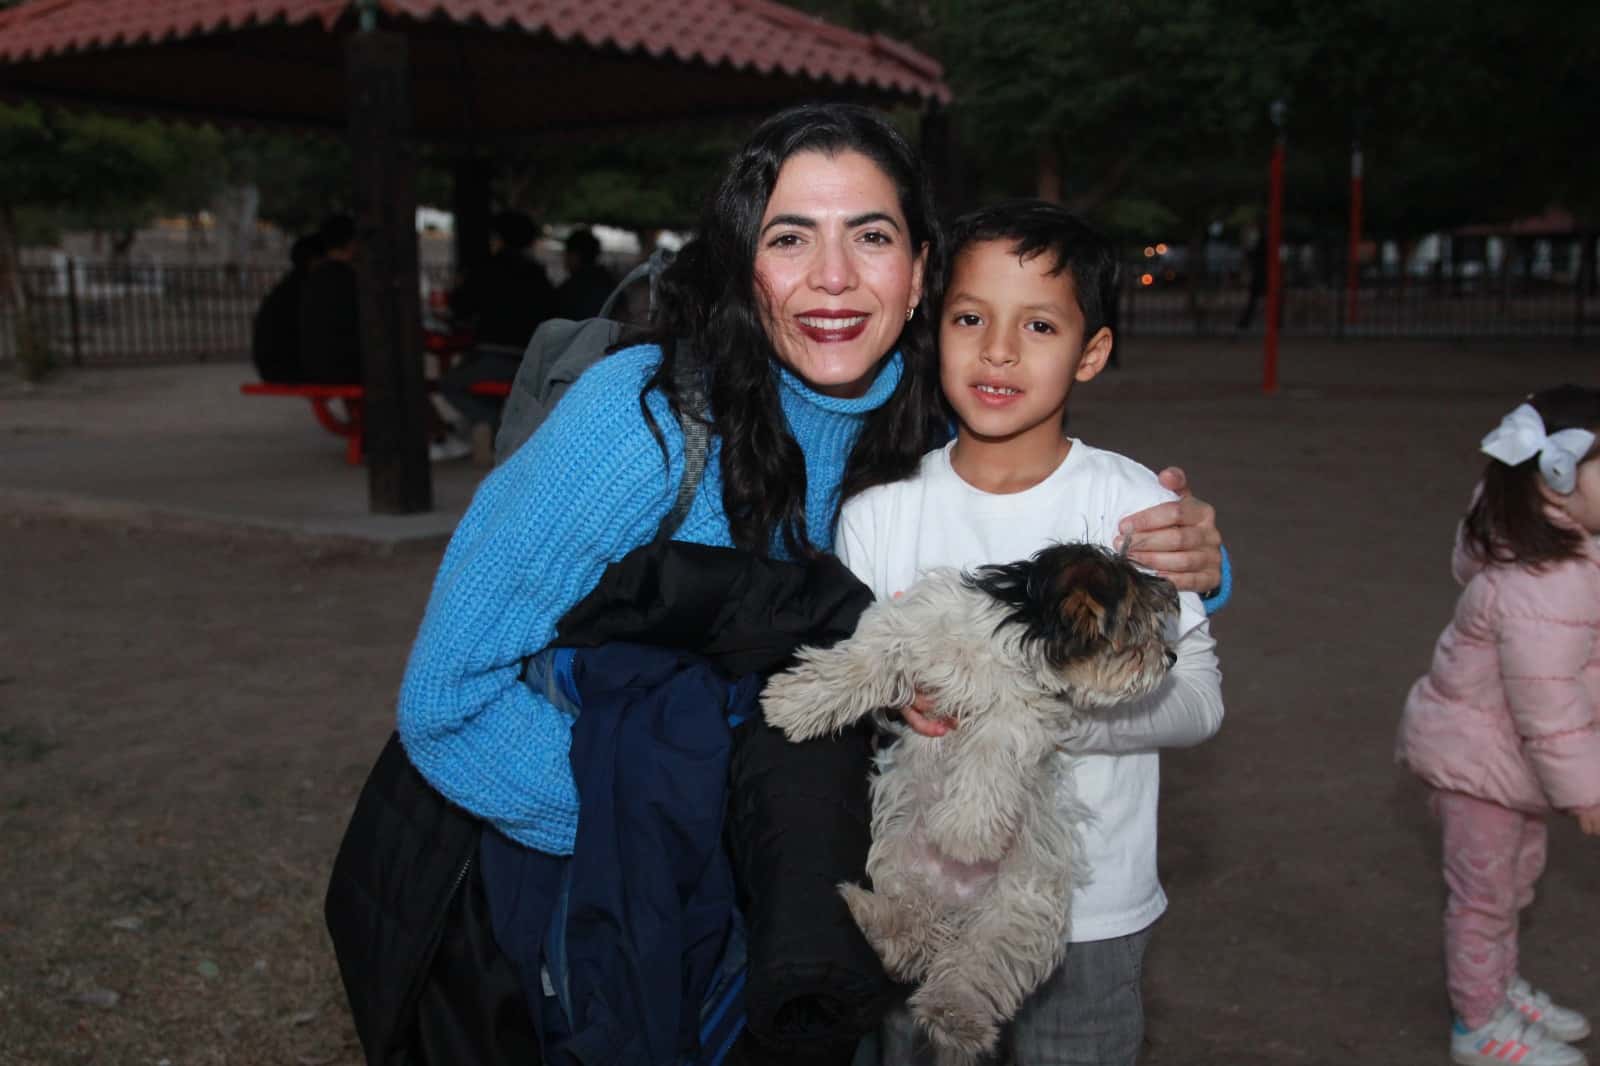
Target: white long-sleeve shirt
x,y
890,535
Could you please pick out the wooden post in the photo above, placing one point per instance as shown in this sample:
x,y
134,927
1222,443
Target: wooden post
x,y
383,156
470,205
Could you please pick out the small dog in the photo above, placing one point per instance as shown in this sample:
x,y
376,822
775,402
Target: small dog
x,y
972,858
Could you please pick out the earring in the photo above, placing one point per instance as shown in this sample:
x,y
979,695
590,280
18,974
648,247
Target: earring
x,y
910,311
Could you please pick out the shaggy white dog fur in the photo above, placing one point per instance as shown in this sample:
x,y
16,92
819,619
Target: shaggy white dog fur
x,y
972,859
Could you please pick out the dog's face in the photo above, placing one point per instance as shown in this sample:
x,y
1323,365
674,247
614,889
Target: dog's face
x,y
1093,625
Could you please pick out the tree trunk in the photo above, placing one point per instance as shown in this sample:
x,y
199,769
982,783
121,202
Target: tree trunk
x,y
237,207
1109,184
1049,184
28,342
11,262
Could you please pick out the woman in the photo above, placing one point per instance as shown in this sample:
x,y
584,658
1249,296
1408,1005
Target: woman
x,y
797,312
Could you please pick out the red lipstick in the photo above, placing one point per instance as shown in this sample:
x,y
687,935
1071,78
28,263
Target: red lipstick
x,y
832,326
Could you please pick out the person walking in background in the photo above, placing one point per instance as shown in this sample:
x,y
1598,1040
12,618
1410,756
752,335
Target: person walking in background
x,y
1504,726
330,309
588,283
275,332
1256,256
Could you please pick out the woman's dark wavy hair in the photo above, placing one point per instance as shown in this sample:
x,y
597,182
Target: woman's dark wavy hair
x,y
707,298
1507,522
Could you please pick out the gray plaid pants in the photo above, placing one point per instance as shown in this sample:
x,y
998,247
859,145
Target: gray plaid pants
x,y
1090,1012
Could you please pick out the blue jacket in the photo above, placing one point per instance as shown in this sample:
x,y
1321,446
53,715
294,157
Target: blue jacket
x,y
618,945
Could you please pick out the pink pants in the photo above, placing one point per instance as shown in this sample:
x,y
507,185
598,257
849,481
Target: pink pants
x,y
1493,857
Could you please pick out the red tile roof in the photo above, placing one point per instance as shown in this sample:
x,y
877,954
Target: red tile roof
x,y
745,35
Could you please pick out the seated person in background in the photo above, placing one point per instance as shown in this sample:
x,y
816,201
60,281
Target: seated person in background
x,y
275,333
506,297
505,300
588,283
330,309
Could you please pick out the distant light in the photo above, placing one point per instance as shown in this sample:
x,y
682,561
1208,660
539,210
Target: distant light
x,y
1149,251
1161,249
1147,279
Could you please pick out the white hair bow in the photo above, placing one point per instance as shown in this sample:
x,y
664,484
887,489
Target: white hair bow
x,y
1520,436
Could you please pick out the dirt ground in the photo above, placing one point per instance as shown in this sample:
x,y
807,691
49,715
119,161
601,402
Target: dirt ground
x,y
185,721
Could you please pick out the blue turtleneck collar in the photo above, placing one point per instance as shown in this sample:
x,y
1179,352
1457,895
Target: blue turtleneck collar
x,y
876,396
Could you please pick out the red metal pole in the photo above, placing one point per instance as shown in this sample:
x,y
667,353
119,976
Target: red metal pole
x,y
1352,281
1269,379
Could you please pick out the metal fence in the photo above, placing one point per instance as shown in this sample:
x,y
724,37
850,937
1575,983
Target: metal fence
x,y
114,314
108,314
1427,308
1436,304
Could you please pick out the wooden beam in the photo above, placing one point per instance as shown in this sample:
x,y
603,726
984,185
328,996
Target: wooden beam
x,y
470,205
384,159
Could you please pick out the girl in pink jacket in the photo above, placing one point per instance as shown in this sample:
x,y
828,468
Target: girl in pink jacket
x,y
1505,726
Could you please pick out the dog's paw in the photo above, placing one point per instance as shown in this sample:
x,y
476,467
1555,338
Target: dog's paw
x,y
891,928
796,704
958,1017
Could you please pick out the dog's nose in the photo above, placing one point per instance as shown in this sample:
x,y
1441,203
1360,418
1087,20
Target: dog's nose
x,y
1172,658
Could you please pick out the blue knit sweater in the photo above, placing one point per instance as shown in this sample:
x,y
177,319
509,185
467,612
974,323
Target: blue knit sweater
x,y
585,490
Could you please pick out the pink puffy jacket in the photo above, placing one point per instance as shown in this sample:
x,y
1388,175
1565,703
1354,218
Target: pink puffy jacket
x,y
1510,710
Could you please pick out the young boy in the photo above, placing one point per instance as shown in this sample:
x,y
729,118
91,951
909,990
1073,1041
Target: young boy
x,y
1025,316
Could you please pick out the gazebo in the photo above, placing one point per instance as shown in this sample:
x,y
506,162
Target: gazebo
x,y
467,74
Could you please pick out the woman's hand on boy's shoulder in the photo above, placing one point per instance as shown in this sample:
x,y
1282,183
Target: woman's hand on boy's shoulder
x,y
1178,539
1588,820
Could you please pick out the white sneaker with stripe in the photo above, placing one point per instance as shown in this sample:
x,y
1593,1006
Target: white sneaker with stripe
x,y
1563,1023
1508,1037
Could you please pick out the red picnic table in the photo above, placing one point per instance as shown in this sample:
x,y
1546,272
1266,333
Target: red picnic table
x,y
352,398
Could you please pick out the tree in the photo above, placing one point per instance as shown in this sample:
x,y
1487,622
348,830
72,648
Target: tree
x,y
1158,108
94,167
302,179
647,181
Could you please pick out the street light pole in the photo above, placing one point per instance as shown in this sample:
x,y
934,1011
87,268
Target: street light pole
x,y
1269,376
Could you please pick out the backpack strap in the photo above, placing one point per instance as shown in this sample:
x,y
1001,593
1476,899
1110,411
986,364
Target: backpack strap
x,y
696,445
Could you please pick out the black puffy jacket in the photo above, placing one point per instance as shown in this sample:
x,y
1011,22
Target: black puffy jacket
x,y
798,824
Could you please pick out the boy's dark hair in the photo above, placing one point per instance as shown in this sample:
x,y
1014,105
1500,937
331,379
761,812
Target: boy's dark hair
x,y
1507,522
1035,227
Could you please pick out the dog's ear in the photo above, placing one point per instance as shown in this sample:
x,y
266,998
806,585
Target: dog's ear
x,y
1083,591
1082,615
